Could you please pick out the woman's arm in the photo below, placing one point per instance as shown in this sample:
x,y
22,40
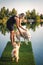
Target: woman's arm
x,y
21,25
22,28
17,24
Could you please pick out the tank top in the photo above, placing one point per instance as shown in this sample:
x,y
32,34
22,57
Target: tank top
x,y
11,20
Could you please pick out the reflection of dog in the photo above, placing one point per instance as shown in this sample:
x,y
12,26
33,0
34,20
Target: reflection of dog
x,y
15,52
25,34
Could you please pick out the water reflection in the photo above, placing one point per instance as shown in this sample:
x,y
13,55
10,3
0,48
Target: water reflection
x,y
3,41
37,45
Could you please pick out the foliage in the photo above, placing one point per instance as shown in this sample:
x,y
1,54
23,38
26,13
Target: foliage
x,y
37,18
14,12
28,16
31,15
6,13
41,16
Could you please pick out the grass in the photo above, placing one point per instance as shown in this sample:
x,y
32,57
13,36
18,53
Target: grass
x,y
26,55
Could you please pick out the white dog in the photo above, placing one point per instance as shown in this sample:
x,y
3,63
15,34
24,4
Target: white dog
x,y
15,52
25,34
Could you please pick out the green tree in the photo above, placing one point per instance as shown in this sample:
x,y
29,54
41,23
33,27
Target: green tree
x,y
41,16
28,14
2,12
33,14
14,12
37,18
7,12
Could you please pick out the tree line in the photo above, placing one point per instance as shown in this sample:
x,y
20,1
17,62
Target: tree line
x,y
6,13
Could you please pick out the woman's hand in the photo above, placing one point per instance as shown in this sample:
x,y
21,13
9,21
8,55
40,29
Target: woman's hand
x,y
22,28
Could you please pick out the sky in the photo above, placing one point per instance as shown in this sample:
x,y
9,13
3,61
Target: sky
x,y
23,5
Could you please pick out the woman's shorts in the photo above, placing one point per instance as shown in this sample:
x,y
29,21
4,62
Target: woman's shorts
x,y
10,28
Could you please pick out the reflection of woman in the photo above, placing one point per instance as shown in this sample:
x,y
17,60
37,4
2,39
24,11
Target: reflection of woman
x,y
10,25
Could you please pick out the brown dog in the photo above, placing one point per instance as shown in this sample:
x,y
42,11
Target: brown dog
x,y
15,52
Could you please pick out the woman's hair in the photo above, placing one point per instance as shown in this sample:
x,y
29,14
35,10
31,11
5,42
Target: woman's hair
x,y
21,15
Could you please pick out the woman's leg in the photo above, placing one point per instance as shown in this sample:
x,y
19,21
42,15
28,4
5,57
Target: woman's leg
x,y
12,37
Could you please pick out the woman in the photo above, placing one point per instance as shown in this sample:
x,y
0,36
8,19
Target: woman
x,y
10,25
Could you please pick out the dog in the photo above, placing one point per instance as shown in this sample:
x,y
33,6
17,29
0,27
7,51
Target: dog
x,y
25,34
15,52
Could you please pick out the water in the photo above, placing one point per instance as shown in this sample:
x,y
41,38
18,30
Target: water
x,y
3,41
37,44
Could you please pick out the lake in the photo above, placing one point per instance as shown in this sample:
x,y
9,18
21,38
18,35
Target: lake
x,y
36,40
